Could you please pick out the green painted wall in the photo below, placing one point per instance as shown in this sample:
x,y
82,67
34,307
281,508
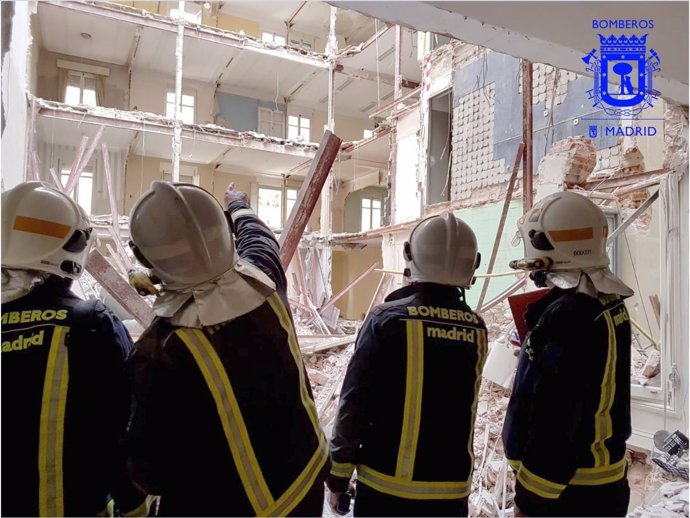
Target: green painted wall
x,y
484,221
353,206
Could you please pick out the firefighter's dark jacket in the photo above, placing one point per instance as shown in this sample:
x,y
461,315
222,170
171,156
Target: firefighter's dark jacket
x,y
409,398
224,421
569,414
65,405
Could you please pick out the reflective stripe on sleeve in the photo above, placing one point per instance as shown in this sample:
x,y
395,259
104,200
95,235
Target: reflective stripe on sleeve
x,y
413,489
597,476
52,428
241,213
603,426
539,485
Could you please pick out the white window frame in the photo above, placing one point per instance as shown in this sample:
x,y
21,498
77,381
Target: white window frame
x,y
300,129
275,119
369,204
291,194
170,105
259,206
81,77
301,43
187,172
78,195
192,13
272,37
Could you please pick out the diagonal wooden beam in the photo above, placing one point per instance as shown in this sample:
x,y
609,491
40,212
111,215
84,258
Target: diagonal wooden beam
x,y
350,285
308,196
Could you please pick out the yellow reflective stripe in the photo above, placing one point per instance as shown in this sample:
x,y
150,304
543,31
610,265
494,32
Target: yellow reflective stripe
x,y
482,347
417,490
52,428
596,476
599,475
295,493
141,510
231,418
286,323
240,213
603,426
299,488
539,485
340,469
414,384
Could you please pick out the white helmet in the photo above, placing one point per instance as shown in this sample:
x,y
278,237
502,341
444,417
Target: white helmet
x,y
44,229
442,249
564,231
180,231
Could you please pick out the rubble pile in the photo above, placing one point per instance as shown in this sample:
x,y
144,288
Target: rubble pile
x,y
671,499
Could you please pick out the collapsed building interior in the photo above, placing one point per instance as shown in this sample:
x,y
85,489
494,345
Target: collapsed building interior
x,y
418,110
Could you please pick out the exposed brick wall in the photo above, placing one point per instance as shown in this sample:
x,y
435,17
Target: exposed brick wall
x,y
473,165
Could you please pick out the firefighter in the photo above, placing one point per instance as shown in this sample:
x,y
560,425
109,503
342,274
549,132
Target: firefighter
x,y
569,413
409,399
224,423
65,396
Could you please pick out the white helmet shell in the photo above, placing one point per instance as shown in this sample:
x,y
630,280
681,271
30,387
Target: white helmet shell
x,y
45,230
564,231
182,231
442,249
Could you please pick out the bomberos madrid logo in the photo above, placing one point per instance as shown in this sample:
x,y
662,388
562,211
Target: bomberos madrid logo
x,y
623,75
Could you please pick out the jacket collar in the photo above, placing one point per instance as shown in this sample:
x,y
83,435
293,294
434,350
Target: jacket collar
x,y
437,290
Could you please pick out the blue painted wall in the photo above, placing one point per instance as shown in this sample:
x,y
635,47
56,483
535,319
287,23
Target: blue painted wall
x,y
242,113
504,71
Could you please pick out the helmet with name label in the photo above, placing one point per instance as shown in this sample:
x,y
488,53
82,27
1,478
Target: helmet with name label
x,y
45,230
442,249
180,231
564,231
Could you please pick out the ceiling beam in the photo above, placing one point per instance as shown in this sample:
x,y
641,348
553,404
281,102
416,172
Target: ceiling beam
x,y
386,79
212,135
127,14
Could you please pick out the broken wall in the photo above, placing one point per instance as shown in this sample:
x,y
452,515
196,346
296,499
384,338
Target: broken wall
x,y
406,196
14,106
48,86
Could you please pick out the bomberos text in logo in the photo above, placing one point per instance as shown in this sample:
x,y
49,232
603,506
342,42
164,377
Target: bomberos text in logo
x,y
623,73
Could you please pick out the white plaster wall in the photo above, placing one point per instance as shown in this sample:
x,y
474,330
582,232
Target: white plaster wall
x,y
14,84
149,89
392,253
406,195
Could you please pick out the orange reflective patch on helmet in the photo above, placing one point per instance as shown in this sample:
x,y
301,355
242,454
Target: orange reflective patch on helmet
x,y
575,234
41,226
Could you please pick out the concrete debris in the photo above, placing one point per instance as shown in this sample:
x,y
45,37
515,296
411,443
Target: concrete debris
x,y
569,160
670,500
653,365
676,138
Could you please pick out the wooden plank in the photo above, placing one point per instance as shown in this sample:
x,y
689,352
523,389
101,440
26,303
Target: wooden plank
x,y
621,181
527,130
381,291
350,285
502,222
118,288
621,228
308,196
83,161
503,295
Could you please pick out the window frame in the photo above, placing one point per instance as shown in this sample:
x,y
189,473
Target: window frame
x,y
301,129
273,35
87,172
272,114
82,76
195,17
187,171
371,209
261,187
168,104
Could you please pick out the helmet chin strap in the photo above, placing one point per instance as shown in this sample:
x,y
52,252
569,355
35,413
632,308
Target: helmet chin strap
x,y
539,278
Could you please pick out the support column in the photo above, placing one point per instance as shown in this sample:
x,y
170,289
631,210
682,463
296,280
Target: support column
x,y
327,192
527,130
397,92
177,132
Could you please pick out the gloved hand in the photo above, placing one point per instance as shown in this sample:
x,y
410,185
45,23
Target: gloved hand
x,y
142,281
232,195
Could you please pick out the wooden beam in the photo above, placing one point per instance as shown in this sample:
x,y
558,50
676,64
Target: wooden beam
x,y
397,92
353,51
621,228
645,184
621,181
118,288
308,196
368,75
527,131
502,222
83,161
